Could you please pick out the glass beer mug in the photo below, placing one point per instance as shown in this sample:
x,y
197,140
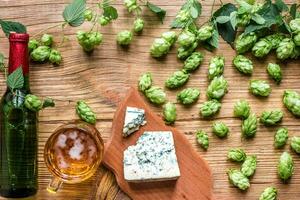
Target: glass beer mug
x,y
73,153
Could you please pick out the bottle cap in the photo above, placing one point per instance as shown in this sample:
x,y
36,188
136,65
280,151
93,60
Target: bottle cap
x,y
20,37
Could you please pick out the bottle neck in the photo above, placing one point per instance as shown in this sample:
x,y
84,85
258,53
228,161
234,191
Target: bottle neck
x,y
18,55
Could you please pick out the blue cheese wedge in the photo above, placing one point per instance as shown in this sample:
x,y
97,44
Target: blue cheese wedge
x,y
153,158
134,118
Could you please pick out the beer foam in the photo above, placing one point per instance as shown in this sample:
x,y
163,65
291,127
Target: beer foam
x,y
76,150
61,141
62,163
73,135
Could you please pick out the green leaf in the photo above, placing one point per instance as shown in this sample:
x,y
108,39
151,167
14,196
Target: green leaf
x,y
9,26
293,10
74,13
245,6
214,40
2,63
16,80
223,19
258,19
196,8
110,12
233,19
226,30
157,10
281,5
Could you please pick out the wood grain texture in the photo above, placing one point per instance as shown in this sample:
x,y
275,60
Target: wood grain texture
x,y
195,181
103,78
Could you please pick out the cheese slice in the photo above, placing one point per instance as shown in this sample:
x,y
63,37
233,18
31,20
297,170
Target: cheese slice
x,y
134,118
153,158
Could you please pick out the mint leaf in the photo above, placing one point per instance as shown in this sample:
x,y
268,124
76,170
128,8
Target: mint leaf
x,y
223,19
157,10
281,5
110,12
226,30
16,80
74,13
9,26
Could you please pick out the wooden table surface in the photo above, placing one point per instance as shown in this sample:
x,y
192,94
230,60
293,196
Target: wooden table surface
x,y
103,78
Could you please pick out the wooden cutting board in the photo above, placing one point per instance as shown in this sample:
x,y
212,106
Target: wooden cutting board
x,y
195,182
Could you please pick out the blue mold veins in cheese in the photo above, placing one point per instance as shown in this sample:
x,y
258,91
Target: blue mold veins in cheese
x,y
134,118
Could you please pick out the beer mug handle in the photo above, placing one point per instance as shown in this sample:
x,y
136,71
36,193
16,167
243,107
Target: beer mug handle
x,y
54,185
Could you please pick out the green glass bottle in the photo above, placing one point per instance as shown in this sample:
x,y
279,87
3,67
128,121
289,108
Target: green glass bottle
x,y
18,129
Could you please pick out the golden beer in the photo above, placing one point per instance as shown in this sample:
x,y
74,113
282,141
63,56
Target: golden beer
x,y
73,153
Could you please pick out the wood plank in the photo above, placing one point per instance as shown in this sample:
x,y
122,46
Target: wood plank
x,y
103,78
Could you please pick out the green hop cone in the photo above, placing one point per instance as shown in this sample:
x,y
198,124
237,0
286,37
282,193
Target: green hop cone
x,y
249,126
55,57
210,108
47,40
40,54
238,179
145,82
193,62
188,96
295,25
124,37
245,42
48,102
103,20
260,88
169,113
243,64
217,88
236,155
202,139
183,15
249,166
85,112
131,5
138,25
262,48
280,138
159,47
156,95
32,45
242,109
186,39
243,18
296,39
216,67
275,39
295,144
177,79
296,53
89,40
33,103
274,72
285,167
88,15
291,100
271,118
270,193
220,129
185,52
170,37
285,49
205,32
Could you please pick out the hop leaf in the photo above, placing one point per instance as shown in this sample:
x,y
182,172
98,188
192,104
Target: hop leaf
x,y
217,88
188,96
270,193
249,166
156,95
74,13
202,139
145,82
274,72
220,129
236,155
177,79
272,117
295,144
238,179
242,109
281,137
285,168
85,112
291,100
216,67
260,88
169,113
16,79
249,126
243,64
210,108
